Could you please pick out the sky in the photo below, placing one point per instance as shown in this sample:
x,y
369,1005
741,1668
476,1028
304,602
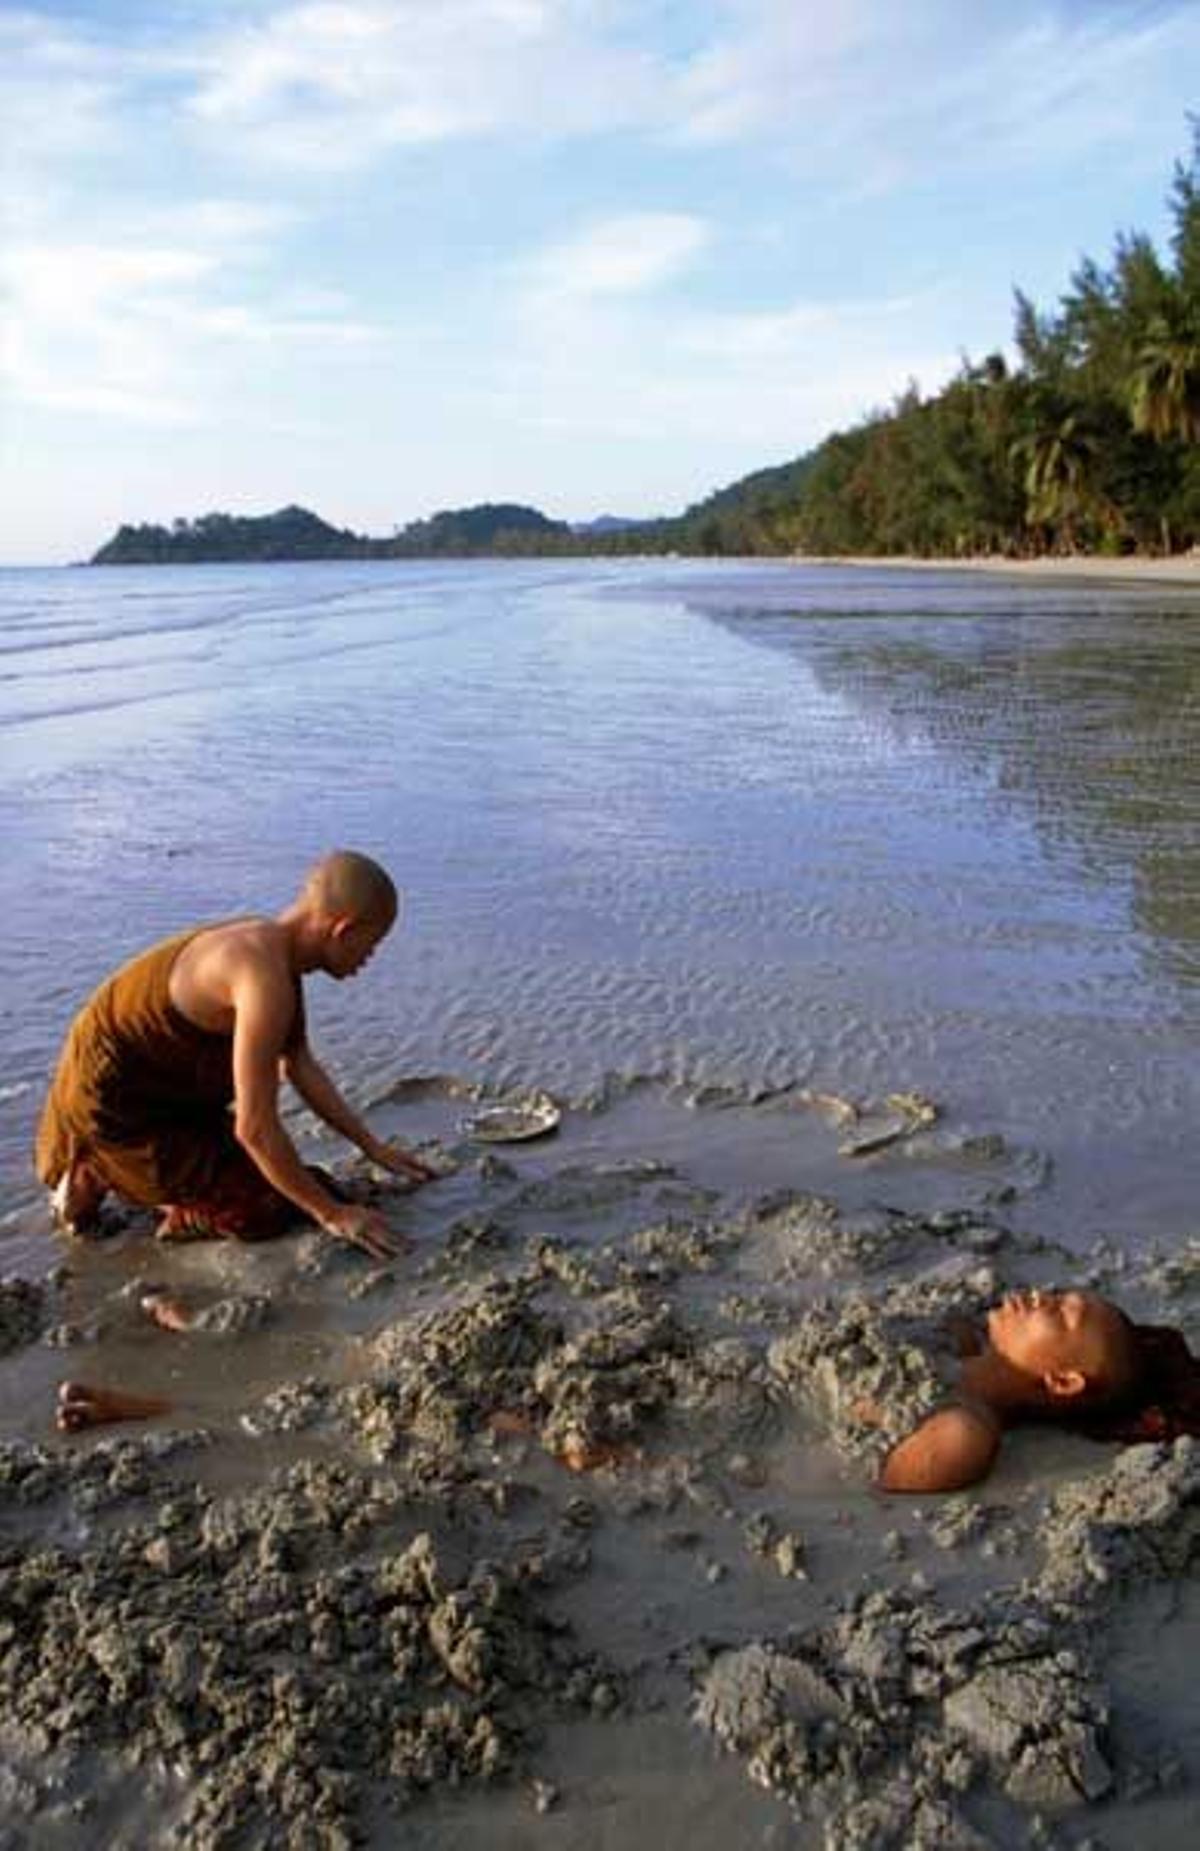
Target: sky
x,y
381,257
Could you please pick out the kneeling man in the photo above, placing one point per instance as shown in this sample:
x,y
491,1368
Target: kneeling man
x,y
167,1088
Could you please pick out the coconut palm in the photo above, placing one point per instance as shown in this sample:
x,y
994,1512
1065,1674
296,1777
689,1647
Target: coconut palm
x,y
1164,391
1059,463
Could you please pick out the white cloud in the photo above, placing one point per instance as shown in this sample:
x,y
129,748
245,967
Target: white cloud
x,y
773,62
622,256
338,85
84,327
169,186
872,95
760,385
55,112
144,332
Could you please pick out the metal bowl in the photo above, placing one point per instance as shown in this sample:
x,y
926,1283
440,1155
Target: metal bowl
x,y
514,1122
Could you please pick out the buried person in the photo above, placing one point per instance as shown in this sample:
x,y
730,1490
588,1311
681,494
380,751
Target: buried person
x,y
1071,1359
167,1087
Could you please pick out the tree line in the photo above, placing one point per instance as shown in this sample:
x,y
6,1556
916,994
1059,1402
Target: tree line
x,y
1089,441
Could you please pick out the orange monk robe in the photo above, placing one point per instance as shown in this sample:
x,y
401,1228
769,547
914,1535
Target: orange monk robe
x,y
144,1095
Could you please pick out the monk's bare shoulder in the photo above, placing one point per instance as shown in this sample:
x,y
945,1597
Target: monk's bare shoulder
x,y
220,961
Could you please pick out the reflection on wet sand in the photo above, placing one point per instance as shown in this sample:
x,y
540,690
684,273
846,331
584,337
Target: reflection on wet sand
x,y
1097,740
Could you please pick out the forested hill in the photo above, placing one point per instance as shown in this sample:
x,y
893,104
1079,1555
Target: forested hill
x,y
1089,442
294,533
291,533
491,527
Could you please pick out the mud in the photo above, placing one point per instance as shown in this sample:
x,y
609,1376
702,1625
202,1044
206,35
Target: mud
x,y
22,1313
901,1708
1139,1522
280,1653
596,1455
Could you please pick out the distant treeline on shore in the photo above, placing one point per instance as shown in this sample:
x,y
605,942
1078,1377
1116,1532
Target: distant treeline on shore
x,y
1089,443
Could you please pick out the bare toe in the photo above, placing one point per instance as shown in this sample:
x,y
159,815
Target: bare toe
x,y
168,1312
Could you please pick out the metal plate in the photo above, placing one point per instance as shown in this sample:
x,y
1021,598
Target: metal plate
x,y
514,1123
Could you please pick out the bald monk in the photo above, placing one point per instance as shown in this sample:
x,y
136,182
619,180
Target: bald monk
x,y
167,1088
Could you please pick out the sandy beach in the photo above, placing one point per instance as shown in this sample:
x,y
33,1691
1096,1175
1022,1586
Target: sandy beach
x,y
1184,569
561,1531
593,1464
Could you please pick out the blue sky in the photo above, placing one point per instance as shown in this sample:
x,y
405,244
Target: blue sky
x,y
385,256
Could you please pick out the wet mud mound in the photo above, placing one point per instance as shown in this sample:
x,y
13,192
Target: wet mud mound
x,y
22,1313
601,1448
286,1655
1138,1522
873,1365
906,1719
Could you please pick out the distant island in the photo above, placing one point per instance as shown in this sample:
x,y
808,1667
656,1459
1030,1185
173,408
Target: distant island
x,y
296,533
1088,444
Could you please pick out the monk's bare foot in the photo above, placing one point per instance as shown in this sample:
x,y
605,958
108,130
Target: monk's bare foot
x,y
76,1200
81,1406
184,1224
165,1310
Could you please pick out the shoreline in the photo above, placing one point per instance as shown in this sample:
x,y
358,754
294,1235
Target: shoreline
x,y
1181,569
1184,569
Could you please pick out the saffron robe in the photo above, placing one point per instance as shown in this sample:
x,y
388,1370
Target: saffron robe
x,y
143,1094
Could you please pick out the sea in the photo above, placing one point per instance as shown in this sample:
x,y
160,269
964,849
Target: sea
x,y
734,831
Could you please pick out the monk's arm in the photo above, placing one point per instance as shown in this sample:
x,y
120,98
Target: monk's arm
x,y
318,1092
264,1003
952,1448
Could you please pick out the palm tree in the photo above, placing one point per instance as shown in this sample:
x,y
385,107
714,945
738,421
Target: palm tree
x,y
1164,390
1059,461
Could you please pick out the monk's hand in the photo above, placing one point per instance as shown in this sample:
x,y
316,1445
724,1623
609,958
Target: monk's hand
x,y
402,1163
365,1228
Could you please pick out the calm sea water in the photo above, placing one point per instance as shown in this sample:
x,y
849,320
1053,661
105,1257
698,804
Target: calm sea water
x,y
741,824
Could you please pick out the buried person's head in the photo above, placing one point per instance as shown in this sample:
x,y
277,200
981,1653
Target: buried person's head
x,y
1068,1357
1066,1351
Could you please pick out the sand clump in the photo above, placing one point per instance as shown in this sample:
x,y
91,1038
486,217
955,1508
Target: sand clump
x,y
586,1393
886,1722
882,1721
871,1365
1138,1521
436,1378
286,1654
110,1474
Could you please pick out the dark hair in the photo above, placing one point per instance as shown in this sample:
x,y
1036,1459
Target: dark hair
x,y
1162,1401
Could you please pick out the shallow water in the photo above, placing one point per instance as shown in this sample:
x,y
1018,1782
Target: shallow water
x,y
738,825
678,842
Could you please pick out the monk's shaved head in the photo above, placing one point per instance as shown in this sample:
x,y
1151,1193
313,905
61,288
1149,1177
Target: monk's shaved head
x,y
352,886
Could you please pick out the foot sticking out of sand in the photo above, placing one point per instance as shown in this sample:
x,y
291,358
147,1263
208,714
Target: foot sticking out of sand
x,y
163,1308
82,1406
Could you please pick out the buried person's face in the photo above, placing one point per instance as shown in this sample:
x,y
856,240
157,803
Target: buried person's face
x,y
1068,1342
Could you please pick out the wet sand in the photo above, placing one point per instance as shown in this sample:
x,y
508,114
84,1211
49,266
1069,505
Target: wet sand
x,y
1180,569
560,1530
